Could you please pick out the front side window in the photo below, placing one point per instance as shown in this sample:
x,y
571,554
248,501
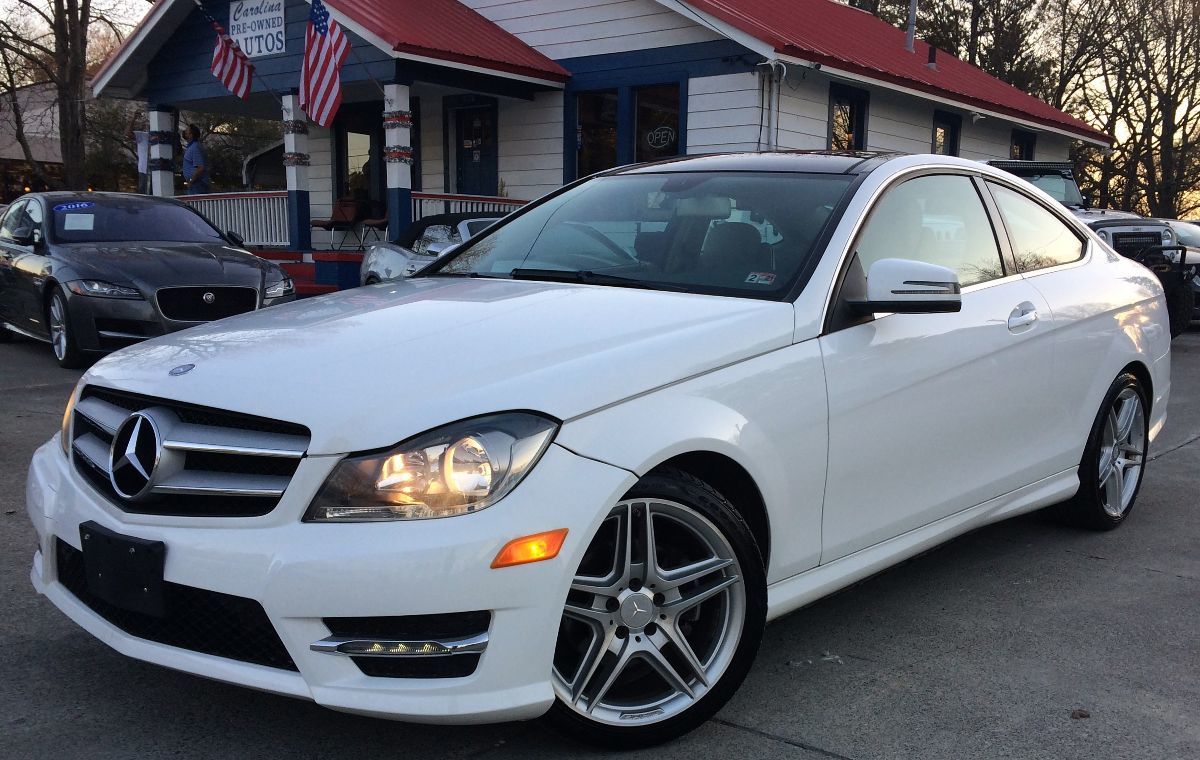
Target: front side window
x,y
730,233
937,219
1039,238
847,118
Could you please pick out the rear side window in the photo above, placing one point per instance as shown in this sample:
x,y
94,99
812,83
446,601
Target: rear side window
x,y
937,219
1039,238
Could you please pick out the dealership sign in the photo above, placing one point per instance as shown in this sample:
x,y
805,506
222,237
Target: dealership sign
x,y
257,26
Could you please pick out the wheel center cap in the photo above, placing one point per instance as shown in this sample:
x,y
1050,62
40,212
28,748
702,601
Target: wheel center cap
x,y
637,610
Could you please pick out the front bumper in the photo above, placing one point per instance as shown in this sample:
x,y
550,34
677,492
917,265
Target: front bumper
x,y
303,572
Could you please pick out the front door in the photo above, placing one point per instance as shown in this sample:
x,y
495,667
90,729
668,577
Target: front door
x,y
476,151
925,440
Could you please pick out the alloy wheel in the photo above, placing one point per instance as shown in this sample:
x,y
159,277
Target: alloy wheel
x,y
1122,452
654,615
58,327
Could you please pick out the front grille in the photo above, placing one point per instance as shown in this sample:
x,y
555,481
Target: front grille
x,y
1131,244
201,621
454,625
201,304
211,463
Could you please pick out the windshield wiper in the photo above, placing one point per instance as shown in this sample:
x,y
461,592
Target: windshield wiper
x,y
588,277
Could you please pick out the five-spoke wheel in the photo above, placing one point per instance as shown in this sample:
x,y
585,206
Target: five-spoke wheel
x,y
663,617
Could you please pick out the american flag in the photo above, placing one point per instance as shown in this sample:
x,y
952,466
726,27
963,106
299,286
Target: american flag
x,y
325,48
229,62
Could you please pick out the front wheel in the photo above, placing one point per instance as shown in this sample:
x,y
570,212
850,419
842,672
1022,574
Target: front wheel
x,y
663,619
62,334
1114,460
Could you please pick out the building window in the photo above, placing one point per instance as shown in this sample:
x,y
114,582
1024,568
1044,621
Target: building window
x,y
1021,148
656,122
847,117
596,132
626,124
946,129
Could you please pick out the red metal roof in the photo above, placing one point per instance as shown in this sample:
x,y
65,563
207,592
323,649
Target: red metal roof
x,y
447,30
836,35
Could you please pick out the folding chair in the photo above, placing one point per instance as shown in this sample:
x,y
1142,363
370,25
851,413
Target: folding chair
x,y
344,219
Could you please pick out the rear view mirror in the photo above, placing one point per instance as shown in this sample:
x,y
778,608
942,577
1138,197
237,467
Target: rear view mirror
x,y
903,286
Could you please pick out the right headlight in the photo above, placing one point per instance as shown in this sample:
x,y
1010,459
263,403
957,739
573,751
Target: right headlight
x,y
452,470
102,289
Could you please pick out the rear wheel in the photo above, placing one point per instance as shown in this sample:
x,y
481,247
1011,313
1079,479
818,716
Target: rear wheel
x,y
663,619
1114,460
62,334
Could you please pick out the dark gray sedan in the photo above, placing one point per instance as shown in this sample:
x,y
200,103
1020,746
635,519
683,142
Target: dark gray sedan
x,y
93,272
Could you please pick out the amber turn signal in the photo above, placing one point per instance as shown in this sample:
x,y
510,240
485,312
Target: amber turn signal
x,y
533,548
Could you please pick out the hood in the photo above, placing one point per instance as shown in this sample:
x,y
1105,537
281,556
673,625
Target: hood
x,y
154,265
369,367
1093,215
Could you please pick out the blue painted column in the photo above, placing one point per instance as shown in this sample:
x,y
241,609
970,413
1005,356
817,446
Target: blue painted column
x,y
295,162
398,153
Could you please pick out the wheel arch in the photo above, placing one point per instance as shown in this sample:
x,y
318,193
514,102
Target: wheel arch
x,y
733,482
1139,370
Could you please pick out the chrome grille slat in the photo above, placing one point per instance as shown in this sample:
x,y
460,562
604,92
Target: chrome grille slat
x,y
215,440
102,414
94,450
209,462
222,483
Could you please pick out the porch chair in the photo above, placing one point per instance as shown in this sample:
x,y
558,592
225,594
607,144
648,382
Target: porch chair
x,y
377,223
344,219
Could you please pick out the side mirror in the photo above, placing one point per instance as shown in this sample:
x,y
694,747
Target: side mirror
x,y
235,238
902,286
29,236
1087,201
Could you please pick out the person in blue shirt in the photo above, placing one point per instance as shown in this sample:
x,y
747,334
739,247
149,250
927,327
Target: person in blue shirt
x,y
195,171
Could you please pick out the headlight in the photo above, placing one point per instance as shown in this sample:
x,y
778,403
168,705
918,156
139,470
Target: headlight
x,y
463,467
1103,235
282,288
1168,236
102,289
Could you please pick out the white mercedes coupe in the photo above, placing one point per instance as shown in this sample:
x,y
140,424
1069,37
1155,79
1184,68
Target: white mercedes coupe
x,y
575,466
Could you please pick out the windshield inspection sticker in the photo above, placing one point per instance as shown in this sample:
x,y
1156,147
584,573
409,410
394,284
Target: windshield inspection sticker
x,y
74,206
85,222
761,278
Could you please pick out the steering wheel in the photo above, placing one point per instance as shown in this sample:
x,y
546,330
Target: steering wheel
x,y
619,255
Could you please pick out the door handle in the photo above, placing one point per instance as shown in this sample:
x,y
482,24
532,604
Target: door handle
x,y
1022,316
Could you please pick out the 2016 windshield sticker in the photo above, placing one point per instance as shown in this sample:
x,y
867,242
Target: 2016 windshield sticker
x,y
761,278
74,206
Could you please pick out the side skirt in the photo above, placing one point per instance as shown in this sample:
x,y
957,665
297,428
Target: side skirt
x,y
800,590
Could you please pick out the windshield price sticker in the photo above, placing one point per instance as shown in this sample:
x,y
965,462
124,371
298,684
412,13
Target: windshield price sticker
x,y
73,206
85,222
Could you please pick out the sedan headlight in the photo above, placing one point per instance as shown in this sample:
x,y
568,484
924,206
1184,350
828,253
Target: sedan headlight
x,y
102,289
459,468
1103,235
1168,236
284,287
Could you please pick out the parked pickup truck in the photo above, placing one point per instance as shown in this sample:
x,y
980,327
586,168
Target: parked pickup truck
x,y
1151,242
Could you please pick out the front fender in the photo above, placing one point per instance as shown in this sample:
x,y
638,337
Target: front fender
x,y
768,414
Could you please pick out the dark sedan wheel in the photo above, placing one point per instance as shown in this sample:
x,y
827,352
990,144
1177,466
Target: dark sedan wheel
x,y
663,619
62,334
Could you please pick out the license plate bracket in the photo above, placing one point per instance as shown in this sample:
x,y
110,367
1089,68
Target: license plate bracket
x,y
124,571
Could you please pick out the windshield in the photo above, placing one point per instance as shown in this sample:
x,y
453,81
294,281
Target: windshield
x,y
110,220
730,233
1060,188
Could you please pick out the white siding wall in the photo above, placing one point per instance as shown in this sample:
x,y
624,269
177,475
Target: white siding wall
x,y
723,113
433,177
899,122
531,145
320,181
564,29
803,112
1052,148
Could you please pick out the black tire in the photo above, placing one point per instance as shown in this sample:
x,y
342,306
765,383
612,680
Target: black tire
x,y
683,489
1087,508
67,354
1181,304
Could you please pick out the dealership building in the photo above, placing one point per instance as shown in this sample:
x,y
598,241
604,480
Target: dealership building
x,y
465,105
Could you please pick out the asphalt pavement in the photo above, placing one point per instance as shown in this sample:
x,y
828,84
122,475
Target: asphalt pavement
x,y
1022,640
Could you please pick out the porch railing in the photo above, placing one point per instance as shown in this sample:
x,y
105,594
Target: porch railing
x,y
428,204
260,218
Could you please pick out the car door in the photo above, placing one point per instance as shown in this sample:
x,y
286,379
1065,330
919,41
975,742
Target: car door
x,y
8,254
31,266
930,414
